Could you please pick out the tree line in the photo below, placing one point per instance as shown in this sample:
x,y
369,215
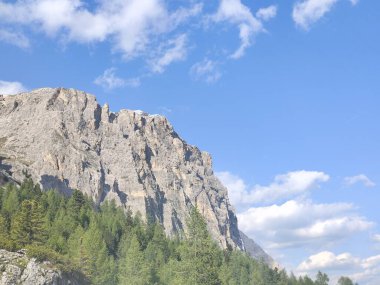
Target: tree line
x,y
108,246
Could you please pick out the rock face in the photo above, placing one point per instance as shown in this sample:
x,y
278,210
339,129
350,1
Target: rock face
x,y
65,140
17,268
256,252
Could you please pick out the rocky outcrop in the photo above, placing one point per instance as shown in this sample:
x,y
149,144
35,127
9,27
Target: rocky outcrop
x,y
17,268
256,252
65,140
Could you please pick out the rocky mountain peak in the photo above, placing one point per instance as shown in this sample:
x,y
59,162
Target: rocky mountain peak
x,y
67,141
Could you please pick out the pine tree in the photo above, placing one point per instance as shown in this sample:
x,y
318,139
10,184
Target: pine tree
x,y
321,279
100,266
10,201
199,254
21,224
133,269
38,232
28,224
5,241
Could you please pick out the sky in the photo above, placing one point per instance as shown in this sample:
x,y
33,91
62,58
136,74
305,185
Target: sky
x,y
285,95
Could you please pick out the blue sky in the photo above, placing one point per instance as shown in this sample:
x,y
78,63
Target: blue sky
x,y
285,95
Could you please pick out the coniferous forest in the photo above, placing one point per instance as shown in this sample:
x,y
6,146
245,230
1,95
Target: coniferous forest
x,y
108,246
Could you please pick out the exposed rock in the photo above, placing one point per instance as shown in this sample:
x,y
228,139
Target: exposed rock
x,y
65,140
17,268
256,252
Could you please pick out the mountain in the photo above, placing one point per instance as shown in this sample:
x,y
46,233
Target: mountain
x,y
65,140
256,252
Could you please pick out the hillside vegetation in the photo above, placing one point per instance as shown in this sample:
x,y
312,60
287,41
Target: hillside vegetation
x,y
111,247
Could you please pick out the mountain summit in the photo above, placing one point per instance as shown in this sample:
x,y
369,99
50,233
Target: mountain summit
x,y
65,140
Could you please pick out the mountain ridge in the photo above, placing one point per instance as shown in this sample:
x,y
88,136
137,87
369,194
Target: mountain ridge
x,y
65,140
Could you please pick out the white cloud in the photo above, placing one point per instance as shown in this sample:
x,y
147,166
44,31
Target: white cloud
x,y
237,189
109,80
132,26
235,12
376,238
10,88
307,12
302,223
14,38
267,13
328,260
183,14
361,178
165,110
206,70
174,50
362,270
284,186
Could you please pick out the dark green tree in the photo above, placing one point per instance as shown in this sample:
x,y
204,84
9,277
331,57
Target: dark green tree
x,y
28,224
133,269
345,281
322,279
21,227
200,256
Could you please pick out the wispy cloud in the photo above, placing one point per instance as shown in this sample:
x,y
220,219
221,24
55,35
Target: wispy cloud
x,y
308,12
361,178
284,186
14,38
174,50
156,31
132,26
11,87
164,110
206,70
376,238
109,80
267,13
235,12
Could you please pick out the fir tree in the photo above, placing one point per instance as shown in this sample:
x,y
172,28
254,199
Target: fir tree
x,y
133,269
199,254
21,224
28,224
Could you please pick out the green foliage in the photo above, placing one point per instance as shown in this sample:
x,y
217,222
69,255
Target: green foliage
x,y
345,281
322,279
42,253
5,241
133,268
200,256
109,246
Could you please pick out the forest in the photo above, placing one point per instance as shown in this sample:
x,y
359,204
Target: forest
x,y
109,246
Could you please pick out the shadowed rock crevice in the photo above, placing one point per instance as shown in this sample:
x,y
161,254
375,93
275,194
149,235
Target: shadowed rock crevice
x,y
52,182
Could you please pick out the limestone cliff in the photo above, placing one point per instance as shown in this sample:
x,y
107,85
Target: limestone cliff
x,y
65,140
17,268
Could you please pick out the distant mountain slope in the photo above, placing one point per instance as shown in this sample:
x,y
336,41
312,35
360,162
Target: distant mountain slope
x,y
256,252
